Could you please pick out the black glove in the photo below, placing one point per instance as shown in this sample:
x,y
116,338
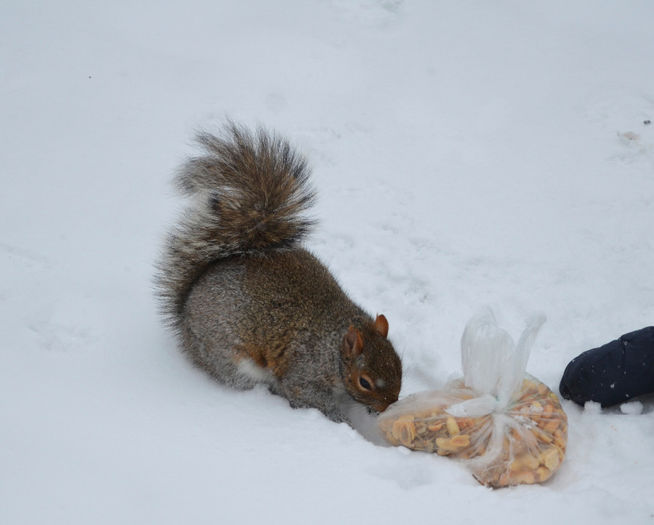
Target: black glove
x,y
613,373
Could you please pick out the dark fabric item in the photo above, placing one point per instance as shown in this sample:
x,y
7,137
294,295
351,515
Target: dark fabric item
x,y
613,373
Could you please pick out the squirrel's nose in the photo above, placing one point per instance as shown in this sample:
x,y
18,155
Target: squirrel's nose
x,y
382,405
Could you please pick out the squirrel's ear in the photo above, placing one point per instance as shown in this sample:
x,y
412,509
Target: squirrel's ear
x,y
381,325
353,342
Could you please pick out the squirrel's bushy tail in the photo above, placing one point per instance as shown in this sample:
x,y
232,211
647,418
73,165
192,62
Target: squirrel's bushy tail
x,y
252,191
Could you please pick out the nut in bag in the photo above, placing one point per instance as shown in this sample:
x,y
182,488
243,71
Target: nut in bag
x,y
507,426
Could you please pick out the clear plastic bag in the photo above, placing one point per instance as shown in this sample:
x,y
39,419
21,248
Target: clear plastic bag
x,y
507,426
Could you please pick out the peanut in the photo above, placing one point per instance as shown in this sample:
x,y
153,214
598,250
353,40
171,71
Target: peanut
x,y
542,436
524,477
550,458
551,425
559,439
404,430
543,473
453,444
452,426
526,461
435,427
461,440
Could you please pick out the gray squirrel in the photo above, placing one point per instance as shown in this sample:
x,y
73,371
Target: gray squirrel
x,y
248,303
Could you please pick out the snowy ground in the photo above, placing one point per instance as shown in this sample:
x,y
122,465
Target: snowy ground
x,y
465,154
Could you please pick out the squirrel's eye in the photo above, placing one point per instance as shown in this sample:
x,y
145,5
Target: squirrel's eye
x,y
365,384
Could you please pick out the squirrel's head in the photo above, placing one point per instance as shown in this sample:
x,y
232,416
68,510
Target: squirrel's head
x,y
372,371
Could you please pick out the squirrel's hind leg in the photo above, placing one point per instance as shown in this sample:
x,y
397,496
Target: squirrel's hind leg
x,y
224,364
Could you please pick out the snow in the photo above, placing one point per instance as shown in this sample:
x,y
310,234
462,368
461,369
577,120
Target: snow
x,y
632,408
465,154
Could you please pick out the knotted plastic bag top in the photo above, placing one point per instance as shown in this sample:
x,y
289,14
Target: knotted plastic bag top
x,y
493,365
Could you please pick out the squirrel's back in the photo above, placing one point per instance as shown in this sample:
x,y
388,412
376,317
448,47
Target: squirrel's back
x,y
251,193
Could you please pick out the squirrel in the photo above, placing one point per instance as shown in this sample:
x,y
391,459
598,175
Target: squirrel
x,y
248,304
